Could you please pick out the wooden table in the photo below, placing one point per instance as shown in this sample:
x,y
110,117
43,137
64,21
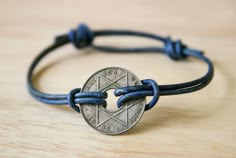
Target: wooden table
x,y
200,124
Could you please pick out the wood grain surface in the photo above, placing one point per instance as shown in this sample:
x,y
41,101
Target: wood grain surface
x,y
200,124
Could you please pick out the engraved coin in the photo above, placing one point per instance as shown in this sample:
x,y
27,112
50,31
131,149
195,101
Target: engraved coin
x,y
112,122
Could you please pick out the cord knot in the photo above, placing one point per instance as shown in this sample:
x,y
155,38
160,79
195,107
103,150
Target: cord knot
x,y
175,49
81,37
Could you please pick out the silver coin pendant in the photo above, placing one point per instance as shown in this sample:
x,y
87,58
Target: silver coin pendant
x,y
104,120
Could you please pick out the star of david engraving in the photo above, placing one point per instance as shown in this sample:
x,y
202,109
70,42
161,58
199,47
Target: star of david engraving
x,y
113,116
110,82
103,119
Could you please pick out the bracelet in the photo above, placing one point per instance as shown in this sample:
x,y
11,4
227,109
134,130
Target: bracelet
x,y
132,92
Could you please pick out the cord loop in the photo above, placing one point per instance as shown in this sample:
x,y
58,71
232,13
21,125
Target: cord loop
x,y
75,96
139,91
81,37
155,91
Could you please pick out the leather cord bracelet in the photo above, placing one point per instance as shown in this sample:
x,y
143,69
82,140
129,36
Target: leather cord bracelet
x,y
91,99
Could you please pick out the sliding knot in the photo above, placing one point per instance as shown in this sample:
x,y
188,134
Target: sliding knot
x,y
81,37
175,49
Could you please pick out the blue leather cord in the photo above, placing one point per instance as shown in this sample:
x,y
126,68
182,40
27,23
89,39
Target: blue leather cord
x,y
84,37
135,93
76,97
97,98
